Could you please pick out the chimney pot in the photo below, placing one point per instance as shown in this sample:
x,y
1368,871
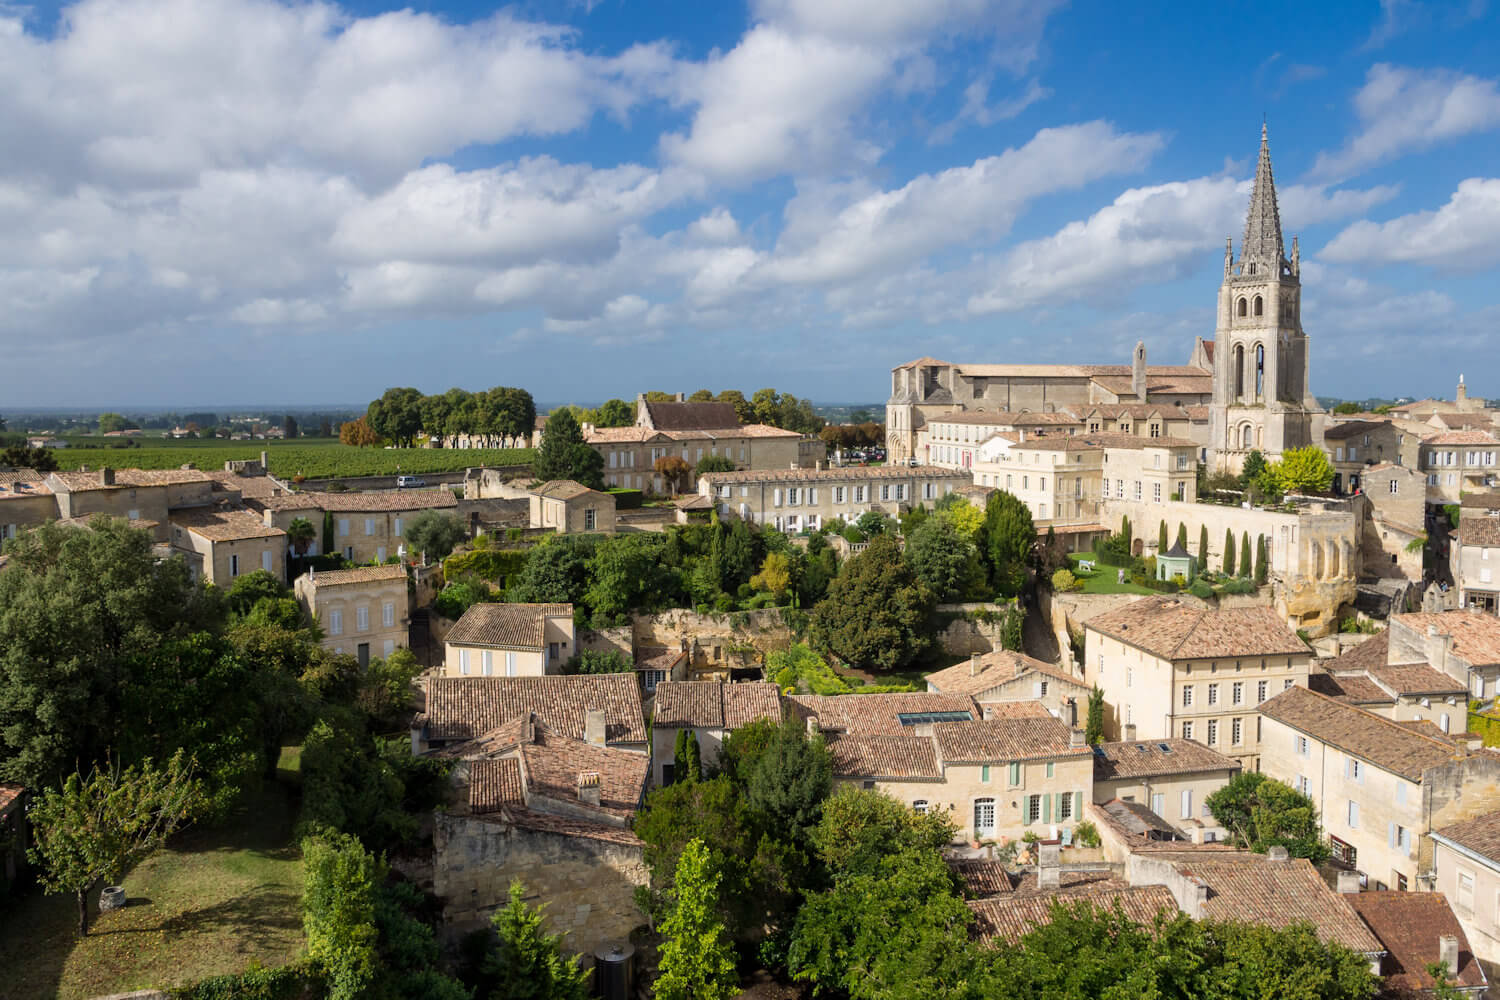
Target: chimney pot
x,y
1130,732
1448,953
1278,853
974,668
812,725
1048,866
588,788
1075,738
1348,883
593,727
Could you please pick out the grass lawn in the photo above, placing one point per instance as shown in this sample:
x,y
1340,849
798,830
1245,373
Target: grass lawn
x,y
1103,579
217,899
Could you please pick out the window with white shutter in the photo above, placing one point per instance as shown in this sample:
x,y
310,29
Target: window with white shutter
x,y
388,614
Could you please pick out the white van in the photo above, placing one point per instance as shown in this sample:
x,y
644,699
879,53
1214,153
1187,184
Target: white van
x,y
409,482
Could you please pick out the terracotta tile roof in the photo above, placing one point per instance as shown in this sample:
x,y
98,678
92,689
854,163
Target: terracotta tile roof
x,y
995,668
1100,440
1462,437
1199,384
1412,679
250,487
874,714
1358,732
1480,835
854,472
1373,652
10,794
1349,428
982,878
1004,740
1454,421
567,826
1251,888
1007,919
394,500
1476,637
714,705
554,765
690,416
511,625
561,489
895,757
1135,819
1408,925
658,658
461,708
223,525
640,435
1356,689
360,574
23,483
1146,758
495,783
1482,530
1175,630
1030,709
1489,500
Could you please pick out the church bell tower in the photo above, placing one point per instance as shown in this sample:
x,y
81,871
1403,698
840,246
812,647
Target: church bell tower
x,y
1260,390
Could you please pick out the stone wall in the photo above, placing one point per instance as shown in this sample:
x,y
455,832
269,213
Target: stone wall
x,y
970,634
1066,613
605,640
1457,790
587,886
716,642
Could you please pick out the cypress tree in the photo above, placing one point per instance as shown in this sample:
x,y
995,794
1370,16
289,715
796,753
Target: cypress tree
x,y
1203,548
1228,552
1262,571
1182,535
1246,565
1125,531
1161,536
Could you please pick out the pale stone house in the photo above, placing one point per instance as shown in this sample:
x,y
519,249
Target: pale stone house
x,y
630,453
1354,446
1474,559
510,640
25,501
1465,645
1458,461
1397,495
1380,786
711,710
225,543
953,439
364,611
1414,691
367,527
793,500
1172,668
1004,677
1466,866
1172,777
572,508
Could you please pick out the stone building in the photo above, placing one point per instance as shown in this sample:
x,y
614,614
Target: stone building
x,y
1459,461
367,527
1173,777
1474,559
222,544
1173,669
364,611
25,501
1466,869
1465,645
1398,518
1003,677
796,499
1419,930
1357,445
510,640
572,508
1411,691
711,710
1380,787
589,707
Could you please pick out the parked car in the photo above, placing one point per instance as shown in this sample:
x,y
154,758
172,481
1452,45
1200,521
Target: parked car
x,y
409,482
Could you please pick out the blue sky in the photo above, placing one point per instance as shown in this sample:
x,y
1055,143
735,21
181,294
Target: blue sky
x,y
246,200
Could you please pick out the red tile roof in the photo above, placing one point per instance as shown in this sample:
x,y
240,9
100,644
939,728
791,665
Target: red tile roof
x,y
392,501
1173,629
995,668
360,574
1006,919
713,705
892,757
1146,758
510,625
1005,740
463,708
223,525
1355,731
1480,835
1409,925
874,714
1476,637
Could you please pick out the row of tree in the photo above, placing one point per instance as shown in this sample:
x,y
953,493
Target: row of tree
x,y
401,414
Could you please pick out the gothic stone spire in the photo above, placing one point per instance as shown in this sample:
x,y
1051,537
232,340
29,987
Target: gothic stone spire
x,y
1262,243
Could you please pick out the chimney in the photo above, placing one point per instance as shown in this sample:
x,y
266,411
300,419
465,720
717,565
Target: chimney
x,y
1138,372
1448,953
813,728
975,669
1020,666
312,573
588,788
106,476
1130,732
1279,854
265,465
818,465
1048,866
593,727
1075,738
1348,883
679,398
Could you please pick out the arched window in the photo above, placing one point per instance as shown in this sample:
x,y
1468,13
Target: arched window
x,y
1260,371
1260,306
1245,436
1239,368
1243,307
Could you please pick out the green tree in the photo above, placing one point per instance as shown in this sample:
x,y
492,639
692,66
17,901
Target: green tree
x,y
1303,470
775,576
526,962
687,765
873,522
593,661
249,588
1125,532
36,459
1247,562
300,533
877,611
697,958
556,572
1346,407
110,422
1261,812
613,413
1250,472
673,472
1161,536
859,827
396,415
742,408
1093,731
1181,536
511,413
1228,552
945,562
1262,571
1203,546
94,829
629,573
563,454
338,912
1009,536
289,427
435,534
966,518
713,463
788,782
358,433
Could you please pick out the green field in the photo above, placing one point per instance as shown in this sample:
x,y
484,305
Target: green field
x,y
315,459
1103,579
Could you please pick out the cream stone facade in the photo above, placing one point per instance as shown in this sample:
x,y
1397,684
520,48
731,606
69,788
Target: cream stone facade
x,y
1466,868
1465,645
1475,554
1174,669
367,527
630,453
572,508
1354,446
226,544
796,499
1459,461
1002,678
1369,677
25,501
364,612
1398,517
1380,787
510,640
1173,778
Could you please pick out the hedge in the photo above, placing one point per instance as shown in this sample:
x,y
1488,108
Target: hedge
x,y
626,499
499,566
289,982
1486,728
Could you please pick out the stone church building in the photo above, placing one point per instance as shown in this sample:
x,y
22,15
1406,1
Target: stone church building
x,y
1250,381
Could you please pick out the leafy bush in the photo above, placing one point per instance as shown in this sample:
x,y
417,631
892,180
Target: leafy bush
x,y
1064,581
594,661
1238,585
499,566
1201,589
1087,834
799,666
456,598
288,982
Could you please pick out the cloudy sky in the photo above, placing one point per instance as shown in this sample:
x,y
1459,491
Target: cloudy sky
x,y
213,201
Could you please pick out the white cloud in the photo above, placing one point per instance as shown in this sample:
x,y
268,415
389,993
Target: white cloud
x,y
1463,235
1015,24
1404,110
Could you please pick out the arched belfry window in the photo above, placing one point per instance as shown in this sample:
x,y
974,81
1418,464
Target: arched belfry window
x,y
1260,306
1245,436
1239,371
1252,268
1243,308
1260,370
